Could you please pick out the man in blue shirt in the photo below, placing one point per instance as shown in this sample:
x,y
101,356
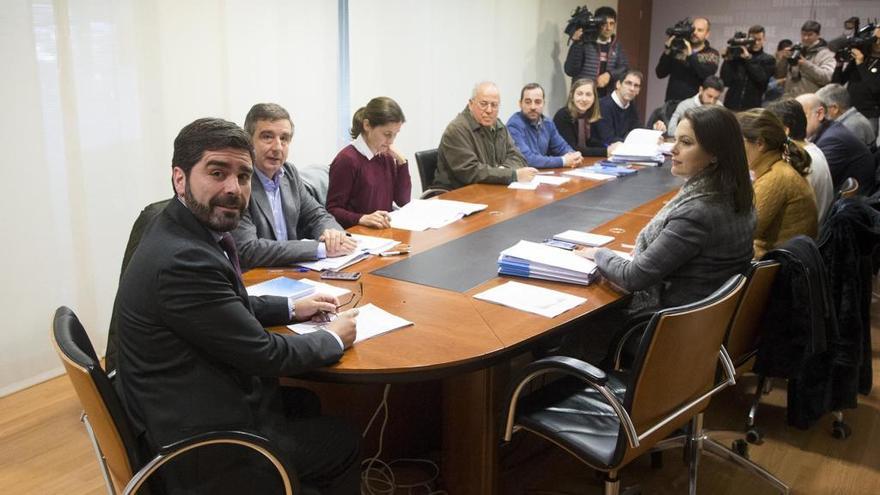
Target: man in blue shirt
x,y
536,136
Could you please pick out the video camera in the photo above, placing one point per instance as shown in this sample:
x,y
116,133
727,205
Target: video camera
x,y
797,53
681,32
740,39
582,18
861,39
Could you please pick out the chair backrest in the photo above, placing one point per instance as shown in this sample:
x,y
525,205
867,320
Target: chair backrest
x,y
849,188
143,221
427,163
102,406
676,363
742,337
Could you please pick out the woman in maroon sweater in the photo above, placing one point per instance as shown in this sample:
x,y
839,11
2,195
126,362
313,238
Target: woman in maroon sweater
x,y
369,175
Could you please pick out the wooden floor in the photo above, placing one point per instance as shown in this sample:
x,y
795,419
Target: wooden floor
x,y
44,450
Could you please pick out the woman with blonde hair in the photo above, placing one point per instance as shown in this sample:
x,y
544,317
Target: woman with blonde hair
x,y
576,121
370,175
784,200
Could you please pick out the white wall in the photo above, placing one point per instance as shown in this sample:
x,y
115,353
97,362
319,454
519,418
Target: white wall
x,y
781,19
92,96
96,90
428,56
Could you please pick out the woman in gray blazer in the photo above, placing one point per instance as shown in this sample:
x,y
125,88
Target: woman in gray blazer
x,y
700,238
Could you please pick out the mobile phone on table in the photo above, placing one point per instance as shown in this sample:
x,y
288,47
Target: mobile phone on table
x,y
569,246
327,275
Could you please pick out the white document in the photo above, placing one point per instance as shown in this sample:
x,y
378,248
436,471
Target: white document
x,y
423,214
371,321
640,144
531,185
373,245
336,263
538,300
586,174
553,180
583,238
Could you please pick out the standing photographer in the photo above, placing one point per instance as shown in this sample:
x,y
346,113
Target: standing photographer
x,y
746,70
597,54
862,79
808,66
688,59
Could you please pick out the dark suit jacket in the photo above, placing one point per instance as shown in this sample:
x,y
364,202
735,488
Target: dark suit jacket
x,y
846,155
306,218
193,353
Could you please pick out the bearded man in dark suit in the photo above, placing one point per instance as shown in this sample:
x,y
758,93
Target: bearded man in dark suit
x,y
193,352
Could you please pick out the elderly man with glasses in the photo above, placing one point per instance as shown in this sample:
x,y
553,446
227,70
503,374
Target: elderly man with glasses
x,y
476,146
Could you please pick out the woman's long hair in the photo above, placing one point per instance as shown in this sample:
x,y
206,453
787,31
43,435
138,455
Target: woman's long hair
x,y
761,126
718,133
592,114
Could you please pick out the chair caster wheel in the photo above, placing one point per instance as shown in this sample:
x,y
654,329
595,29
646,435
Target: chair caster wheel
x,y
840,430
754,435
741,447
656,460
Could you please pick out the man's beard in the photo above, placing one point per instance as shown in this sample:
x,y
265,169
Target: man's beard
x,y
216,221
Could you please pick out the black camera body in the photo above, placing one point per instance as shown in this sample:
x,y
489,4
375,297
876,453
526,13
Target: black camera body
x,y
582,18
797,53
861,39
740,39
681,32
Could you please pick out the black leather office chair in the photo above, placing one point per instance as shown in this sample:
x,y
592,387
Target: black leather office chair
x,y
122,462
146,217
606,420
427,163
742,342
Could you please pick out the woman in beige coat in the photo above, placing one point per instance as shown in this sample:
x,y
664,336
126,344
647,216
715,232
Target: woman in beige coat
x,y
784,200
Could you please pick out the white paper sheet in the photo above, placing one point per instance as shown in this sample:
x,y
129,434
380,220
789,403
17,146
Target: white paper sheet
x,y
371,322
586,174
423,214
583,238
538,300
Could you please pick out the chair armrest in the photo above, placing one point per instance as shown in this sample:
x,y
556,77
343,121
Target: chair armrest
x,y
568,365
430,193
594,377
635,326
252,441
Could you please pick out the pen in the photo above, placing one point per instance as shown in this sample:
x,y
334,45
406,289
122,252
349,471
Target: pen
x,y
393,253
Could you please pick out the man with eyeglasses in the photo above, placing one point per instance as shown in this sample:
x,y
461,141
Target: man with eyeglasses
x,y
283,223
619,112
477,148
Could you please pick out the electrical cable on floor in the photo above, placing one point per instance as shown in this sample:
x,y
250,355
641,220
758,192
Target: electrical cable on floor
x,y
377,476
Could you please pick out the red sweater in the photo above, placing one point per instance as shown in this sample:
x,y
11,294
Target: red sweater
x,y
359,186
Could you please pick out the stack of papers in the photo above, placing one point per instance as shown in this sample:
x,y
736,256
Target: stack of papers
x,y
423,214
538,300
371,321
583,238
373,245
640,145
366,245
335,264
536,260
281,286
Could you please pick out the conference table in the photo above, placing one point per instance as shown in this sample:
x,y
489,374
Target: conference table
x,y
466,343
